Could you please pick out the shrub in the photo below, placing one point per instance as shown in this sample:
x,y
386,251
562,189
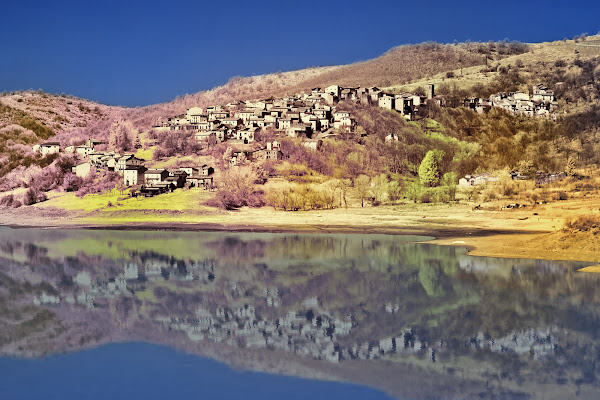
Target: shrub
x,y
100,183
413,191
7,200
489,194
425,197
395,191
71,183
583,223
238,189
34,195
562,195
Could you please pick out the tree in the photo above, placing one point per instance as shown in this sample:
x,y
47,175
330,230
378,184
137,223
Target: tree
x,y
429,171
449,181
570,167
362,185
212,140
379,188
33,195
237,188
227,157
120,136
343,185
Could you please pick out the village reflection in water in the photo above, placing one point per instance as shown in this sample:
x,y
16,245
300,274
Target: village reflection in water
x,y
412,319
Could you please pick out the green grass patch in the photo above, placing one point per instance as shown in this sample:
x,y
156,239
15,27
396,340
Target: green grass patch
x,y
433,124
145,154
147,294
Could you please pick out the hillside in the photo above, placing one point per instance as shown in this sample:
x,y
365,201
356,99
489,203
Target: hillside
x,y
464,141
399,65
403,68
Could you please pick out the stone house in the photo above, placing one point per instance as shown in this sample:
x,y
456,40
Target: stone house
x,y
246,135
258,105
335,90
330,98
202,135
153,176
322,113
205,170
478,179
338,115
325,123
111,162
271,152
541,93
218,115
96,158
49,148
375,94
208,125
343,121
386,101
82,169
204,182
133,175
176,178
284,123
403,104
84,150
312,144
195,115
128,160
232,122
190,170
296,130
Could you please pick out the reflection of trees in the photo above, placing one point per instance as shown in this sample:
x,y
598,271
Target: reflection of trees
x,y
386,286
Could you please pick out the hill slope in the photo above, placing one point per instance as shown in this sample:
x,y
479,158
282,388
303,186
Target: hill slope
x,y
458,70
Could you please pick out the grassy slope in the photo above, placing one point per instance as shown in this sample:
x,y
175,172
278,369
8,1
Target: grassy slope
x,y
547,52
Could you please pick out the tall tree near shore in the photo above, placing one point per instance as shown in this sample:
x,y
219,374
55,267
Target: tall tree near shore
x,y
429,170
362,185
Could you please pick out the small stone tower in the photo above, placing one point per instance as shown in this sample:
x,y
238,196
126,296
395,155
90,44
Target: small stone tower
x,y
430,91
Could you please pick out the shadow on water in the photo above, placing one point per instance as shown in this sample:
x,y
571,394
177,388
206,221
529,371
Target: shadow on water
x,y
415,320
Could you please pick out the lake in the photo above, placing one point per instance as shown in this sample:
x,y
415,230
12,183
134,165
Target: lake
x,y
107,313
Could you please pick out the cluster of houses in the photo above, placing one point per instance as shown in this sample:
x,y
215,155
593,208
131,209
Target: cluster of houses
x,y
541,178
312,115
541,103
310,330
476,179
149,181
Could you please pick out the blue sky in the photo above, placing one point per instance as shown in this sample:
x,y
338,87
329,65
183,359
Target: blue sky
x,y
143,52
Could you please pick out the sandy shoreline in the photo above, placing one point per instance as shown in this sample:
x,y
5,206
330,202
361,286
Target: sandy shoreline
x,y
532,233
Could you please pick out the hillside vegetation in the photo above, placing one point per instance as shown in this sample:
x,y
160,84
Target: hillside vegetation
x,y
448,143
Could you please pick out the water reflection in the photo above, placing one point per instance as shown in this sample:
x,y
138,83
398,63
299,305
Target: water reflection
x,y
374,309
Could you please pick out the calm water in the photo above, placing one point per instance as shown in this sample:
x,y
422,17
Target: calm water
x,y
98,314
145,371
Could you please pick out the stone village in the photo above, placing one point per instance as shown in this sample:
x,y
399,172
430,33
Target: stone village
x,y
257,319
312,116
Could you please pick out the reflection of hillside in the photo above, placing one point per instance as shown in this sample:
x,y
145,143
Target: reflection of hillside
x,y
342,299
